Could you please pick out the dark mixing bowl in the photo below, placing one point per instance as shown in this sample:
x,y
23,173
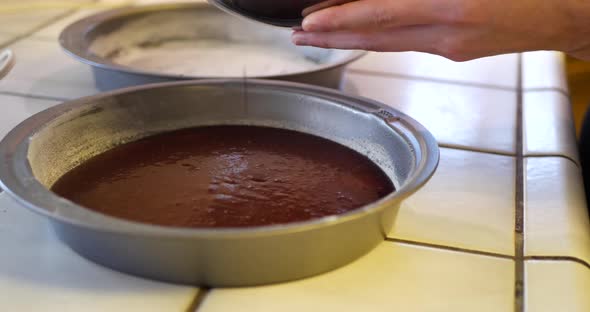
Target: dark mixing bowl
x,y
274,12
275,9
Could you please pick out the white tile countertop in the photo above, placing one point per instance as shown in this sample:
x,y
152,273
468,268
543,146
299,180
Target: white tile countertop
x,y
502,226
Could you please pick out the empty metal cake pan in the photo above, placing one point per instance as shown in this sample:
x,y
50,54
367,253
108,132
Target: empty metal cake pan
x,y
158,43
44,147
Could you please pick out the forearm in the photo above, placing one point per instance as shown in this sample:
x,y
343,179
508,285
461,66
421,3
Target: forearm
x,y
457,29
578,12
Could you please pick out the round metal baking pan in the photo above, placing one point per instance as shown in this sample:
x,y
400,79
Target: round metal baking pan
x,y
44,147
166,42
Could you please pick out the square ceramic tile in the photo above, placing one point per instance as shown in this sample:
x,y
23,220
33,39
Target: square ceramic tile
x,y
556,217
498,71
556,286
5,38
43,69
548,125
393,277
468,203
52,31
39,273
20,18
14,109
458,116
544,70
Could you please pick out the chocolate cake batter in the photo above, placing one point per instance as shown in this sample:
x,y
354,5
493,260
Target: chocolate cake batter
x,y
225,176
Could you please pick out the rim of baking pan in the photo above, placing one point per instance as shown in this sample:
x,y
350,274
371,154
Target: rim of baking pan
x,y
17,179
74,41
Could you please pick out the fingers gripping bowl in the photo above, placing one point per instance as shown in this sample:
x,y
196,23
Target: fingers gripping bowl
x,y
44,147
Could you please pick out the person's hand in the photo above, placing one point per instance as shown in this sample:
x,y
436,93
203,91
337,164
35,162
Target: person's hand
x,y
457,29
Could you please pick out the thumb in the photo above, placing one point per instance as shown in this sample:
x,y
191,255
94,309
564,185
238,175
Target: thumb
x,y
324,5
376,14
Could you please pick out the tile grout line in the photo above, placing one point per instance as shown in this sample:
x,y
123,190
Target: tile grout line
x,y
519,278
548,89
369,72
558,259
475,150
449,248
487,253
427,79
198,300
553,156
